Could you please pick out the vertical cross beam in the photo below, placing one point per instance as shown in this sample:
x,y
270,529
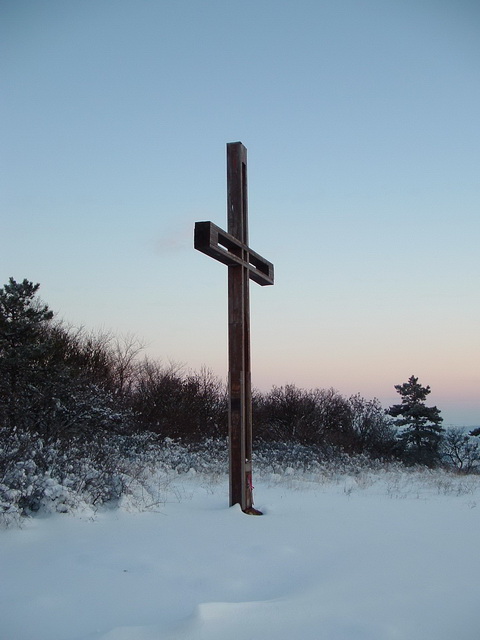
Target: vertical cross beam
x,y
243,264
240,394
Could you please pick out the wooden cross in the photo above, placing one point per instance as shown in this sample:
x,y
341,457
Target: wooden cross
x,y
232,249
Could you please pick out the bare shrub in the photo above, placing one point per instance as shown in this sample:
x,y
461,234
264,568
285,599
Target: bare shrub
x,y
460,451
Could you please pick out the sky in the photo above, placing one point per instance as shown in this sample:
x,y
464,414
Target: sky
x,y
361,124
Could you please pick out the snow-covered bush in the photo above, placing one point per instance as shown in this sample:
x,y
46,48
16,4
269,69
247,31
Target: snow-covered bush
x,y
460,451
138,470
25,465
65,475
312,460
62,475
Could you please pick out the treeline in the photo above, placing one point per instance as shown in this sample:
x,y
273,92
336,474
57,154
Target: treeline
x,y
61,382
77,390
325,419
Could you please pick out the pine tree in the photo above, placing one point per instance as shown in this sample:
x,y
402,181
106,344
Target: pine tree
x,y
52,382
23,347
421,433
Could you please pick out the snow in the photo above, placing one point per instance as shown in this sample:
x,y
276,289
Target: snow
x,y
369,557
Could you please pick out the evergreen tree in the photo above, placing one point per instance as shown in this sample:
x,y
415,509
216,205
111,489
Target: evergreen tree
x,y
52,382
23,348
421,433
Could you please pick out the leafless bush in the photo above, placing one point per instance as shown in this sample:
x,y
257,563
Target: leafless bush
x,y
175,404
324,418
460,451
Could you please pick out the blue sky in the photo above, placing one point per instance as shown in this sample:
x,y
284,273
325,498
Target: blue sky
x,y
361,124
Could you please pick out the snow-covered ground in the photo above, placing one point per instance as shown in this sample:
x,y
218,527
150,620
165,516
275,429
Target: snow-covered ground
x,y
384,556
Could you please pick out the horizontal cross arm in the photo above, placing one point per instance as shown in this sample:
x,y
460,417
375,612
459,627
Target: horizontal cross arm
x,y
222,246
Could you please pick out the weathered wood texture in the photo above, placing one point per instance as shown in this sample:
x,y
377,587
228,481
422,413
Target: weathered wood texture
x,y
232,249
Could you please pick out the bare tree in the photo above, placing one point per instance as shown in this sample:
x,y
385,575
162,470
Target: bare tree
x,y
460,450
